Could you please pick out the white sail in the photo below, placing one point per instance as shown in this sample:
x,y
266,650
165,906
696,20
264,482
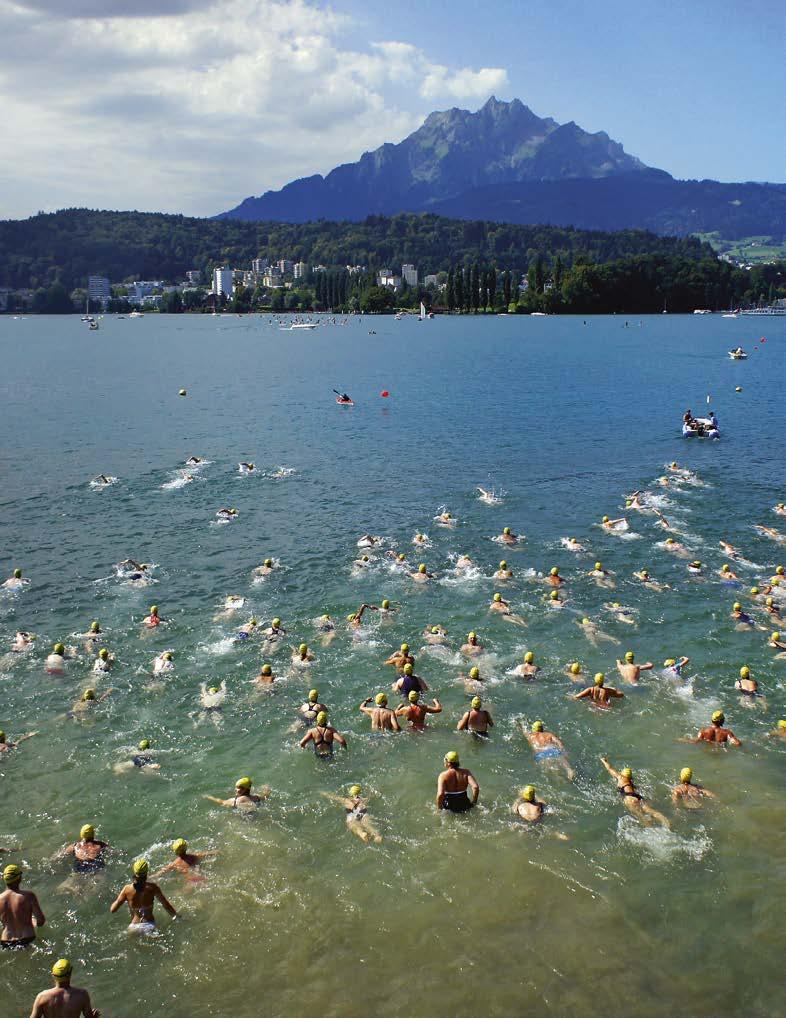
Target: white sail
x,y
422,311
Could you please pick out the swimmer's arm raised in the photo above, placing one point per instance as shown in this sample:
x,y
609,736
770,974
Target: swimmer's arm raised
x,y
436,709
615,774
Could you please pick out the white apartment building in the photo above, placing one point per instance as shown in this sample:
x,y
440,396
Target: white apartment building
x,y
409,274
285,266
299,270
386,278
223,280
98,288
259,265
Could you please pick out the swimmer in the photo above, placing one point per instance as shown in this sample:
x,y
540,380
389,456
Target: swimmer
x,y
267,567
547,747
15,581
361,563
593,633
64,1000
325,625
634,502
369,541
308,711
55,662
194,461
620,525
243,799
302,656
452,785
153,619
355,619
141,896
266,676
212,697
464,562
142,761
399,561
232,603
435,635
778,577
644,577
384,608
6,746
742,618
508,537
574,672
185,862
554,579
688,794
599,693
504,572
572,544
630,671
323,735
87,703
555,600
621,613
20,913
473,647
422,575
163,663
631,797
729,550
445,519
23,641
421,541
727,573
716,732
358,821
409,682
472,680
104,661
695,568
745,683
780,509
602,577
770,532
672,667
779,732
502,607
675,547
383,718
488,496
400,658
246,468
416,712
476,720
274,634
225,515
529,808
661,521
776,642
92,636
527,669
88,854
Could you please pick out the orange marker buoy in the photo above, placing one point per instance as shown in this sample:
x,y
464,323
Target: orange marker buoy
x,y
384,394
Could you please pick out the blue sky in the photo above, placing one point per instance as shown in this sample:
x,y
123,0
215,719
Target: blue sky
x,y
191,105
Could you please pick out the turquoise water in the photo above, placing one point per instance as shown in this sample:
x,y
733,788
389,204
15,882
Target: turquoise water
x,y
449,915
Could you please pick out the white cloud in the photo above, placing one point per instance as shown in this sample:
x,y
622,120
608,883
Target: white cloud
x,y
194,109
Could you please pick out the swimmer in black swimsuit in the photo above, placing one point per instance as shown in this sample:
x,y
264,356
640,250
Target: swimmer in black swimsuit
x,y
243,797
311,708
452,785
142,760
631,797
323,736
358,820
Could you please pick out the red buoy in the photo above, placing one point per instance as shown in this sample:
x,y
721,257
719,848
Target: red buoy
x,y
384,393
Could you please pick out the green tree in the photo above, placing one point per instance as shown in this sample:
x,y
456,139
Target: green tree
x,y
376,300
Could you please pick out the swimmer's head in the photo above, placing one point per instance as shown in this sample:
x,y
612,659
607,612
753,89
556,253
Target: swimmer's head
x,y
669,540
645,574
324,618
554,571
452,759
554,595
268,563
408,669
2,736
529,657
167,655
303,649
537,726
401,557
12,874
718,717
213,690
754,590
87,832
141,868
180,846
276,623
725,567
322,717
59,648
626,772
605,519
599,679
89,694
385,605
775,637
474,673
779,570
769,601
745,672
528,793
62,969
782,724
503,564
575,668
413,696
695,564
154,609
266,669
17,574
598,567
471,637
355,791
585,621
404,648
243,784
629,656
497,598
103,654
95,627
422,567
381,699
435,630
506,531
313,695
476,702
669,662
736,607
364,558
144,744
351,617
685,775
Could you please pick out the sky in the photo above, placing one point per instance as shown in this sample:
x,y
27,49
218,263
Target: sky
x,y
192,105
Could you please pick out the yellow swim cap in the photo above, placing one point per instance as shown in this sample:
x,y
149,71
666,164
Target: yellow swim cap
x,y
537,726
267,669
718,717
95,627
167,655
268,562
506,531
600,678
605,519
554,595
87,832
575,668
598,567
2,735
754,590
528,793
745,672
404,648
422,567
58,648
554,571
243,783
144,744
89,694
503,564
472,636
452,757
322,717
381,699
385,604
669,662
12,874
364,558
725,567
686,774
474,673
770,601
154,609
529,657
626,772
355,790
498,598
303,648
17,574
435,630
401,556
782,724
141,868
180,847
413,696
669,540
103,653
351,618
408,669
62,968
585,621
476,702
213,689
275,624
736,607
779,570
313,695
629,656
775,637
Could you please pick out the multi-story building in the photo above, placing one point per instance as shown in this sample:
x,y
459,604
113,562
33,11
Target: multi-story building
x,y
386,278
299,270
194,276
272,278
259,265
223,281
285,266
409,274
430,280
98,289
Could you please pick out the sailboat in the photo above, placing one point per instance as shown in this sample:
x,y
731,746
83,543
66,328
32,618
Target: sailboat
x,y
422,315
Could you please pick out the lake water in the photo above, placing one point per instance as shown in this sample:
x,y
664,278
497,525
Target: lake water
x,y
449,915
